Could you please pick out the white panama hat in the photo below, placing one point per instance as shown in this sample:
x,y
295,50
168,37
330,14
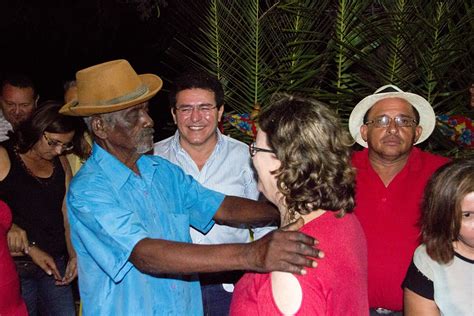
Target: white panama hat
x,y
427,115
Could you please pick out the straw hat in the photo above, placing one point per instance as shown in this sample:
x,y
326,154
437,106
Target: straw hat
x,y
110,87
427,115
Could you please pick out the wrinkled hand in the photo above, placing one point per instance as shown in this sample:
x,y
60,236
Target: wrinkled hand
x,y
17,240
45,262
71,272
284,250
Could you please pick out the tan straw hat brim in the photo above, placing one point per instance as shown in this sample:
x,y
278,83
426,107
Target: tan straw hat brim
x,y
151,81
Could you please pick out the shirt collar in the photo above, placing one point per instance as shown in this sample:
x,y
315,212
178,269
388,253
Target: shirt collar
x,y
118,172
177,146
414,160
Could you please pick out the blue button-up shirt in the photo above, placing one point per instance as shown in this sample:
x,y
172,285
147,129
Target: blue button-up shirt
x,y
111,209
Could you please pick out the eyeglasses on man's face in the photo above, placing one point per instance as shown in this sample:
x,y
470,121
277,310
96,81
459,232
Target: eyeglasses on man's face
x,y
56,143
202,108
400,121
254,150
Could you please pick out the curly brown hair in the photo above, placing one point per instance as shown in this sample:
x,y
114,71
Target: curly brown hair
x,y
441,212
314,151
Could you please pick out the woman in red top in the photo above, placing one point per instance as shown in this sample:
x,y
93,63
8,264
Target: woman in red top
x,y
302,157
11,302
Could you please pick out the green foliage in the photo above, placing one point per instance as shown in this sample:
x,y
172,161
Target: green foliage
x,y
337,51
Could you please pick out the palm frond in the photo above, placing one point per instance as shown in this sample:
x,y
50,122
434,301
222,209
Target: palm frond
x,y
338,51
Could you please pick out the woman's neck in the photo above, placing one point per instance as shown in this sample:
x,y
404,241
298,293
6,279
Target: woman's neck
x,y
307,218
464,249
35,165
314,214
32,155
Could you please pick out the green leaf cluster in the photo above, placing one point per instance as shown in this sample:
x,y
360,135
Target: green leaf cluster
x,y
336,51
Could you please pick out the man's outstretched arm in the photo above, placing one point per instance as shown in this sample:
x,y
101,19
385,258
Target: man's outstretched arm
x,y
281,250
237,211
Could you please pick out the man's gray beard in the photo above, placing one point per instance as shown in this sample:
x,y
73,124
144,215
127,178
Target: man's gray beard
x,y
142,146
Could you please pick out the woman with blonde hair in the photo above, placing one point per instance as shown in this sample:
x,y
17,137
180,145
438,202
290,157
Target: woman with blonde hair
x,y
302,157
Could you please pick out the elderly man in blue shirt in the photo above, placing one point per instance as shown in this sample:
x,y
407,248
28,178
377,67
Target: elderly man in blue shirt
x,y
216,161
130,213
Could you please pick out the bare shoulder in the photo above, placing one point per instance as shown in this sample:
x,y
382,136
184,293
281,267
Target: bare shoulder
x,y
287,292
4,163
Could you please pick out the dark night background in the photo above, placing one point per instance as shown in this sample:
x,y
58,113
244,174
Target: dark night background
x,y
51,40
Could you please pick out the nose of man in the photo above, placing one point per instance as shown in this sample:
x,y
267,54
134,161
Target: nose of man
x,y
392,128
149,123
196,115
18,111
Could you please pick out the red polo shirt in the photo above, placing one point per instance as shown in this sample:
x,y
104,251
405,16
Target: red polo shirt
x,y
389,217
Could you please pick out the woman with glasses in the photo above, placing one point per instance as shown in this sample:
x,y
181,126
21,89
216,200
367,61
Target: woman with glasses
x,y
302,157
34,175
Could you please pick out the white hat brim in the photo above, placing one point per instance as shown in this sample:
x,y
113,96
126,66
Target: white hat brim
x,y
427,115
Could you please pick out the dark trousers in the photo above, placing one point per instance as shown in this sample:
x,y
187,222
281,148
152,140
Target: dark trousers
x,y
39,292
216,300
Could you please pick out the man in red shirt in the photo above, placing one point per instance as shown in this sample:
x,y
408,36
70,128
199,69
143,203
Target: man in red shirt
x,y
391,176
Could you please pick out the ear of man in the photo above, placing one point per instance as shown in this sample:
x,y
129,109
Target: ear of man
x,y
418,130
220,112
173,114
99,127
363,132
